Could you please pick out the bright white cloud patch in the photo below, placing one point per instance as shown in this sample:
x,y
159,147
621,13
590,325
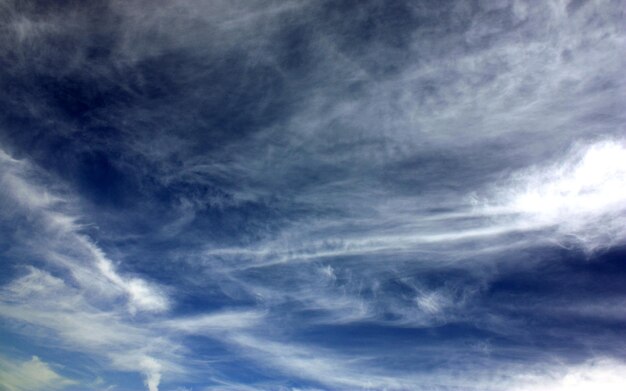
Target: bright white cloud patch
x,y
597,375
152,369
583,197
142,296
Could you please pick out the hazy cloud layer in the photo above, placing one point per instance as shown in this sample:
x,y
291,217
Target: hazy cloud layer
x,y
33,374
312,195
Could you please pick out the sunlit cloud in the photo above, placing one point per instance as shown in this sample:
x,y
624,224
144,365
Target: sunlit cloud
x,y
594,375
580,197
286,195
30,375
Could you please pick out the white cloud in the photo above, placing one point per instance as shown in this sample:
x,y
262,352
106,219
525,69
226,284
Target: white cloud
x,y
573,199
152,369
317,365
581,196
85,313
522,94
595,375
65,313
30,375
432,302
142,296
215,322
61,239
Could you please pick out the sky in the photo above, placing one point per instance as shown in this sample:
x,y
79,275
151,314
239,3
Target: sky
x,y
312,195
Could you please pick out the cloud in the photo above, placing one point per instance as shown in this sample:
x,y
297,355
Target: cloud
x,y
80,307
215,322
63,313
30,375
580,196
599,374
333,193
572,200
337,372
142,296
152,369
67,245
319,366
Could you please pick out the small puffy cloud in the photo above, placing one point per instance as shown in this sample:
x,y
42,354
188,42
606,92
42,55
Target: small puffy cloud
x,y
145,297
152,371
31,375
432,302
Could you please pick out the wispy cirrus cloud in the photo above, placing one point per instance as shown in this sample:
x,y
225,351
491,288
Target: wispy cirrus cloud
x,y
88,305
329,195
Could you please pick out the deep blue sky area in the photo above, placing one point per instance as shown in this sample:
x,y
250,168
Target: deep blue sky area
x,y
206,195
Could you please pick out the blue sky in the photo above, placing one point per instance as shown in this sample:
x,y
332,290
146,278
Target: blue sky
x,y
312,195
